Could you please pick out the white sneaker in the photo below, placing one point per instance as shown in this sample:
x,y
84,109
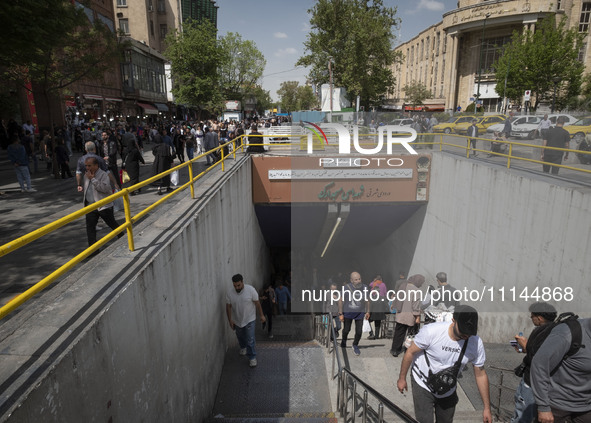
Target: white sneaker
x,y
242,351
253,362
31,190
270,336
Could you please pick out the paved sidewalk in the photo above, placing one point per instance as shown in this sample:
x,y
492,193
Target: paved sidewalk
x,y
22,213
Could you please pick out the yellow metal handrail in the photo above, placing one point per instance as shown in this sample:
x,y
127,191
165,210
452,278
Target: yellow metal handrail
x,y
131,220
127,225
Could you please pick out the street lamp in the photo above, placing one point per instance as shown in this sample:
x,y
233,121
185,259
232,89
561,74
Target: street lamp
x,y
480,61
556,80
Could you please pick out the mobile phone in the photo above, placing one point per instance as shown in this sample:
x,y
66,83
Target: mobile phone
x,y
515,344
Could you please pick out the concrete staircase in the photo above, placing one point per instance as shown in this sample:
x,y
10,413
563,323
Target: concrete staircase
x,y
289,384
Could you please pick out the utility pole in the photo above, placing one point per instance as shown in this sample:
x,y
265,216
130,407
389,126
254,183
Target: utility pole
x,y
505,91
330,82
480,61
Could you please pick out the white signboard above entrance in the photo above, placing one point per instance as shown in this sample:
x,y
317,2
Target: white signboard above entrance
x,y
303,174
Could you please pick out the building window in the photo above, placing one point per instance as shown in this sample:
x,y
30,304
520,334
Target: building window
x,y
582,52
492,51
422,49
585,15
121,3
152,28
163,31
124,25
558,5
161,6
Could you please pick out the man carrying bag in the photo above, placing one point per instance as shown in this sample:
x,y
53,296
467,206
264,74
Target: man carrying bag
x,y
438,353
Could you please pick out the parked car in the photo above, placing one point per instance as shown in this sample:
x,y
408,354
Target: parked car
x,y
569,118
449,126
525,126
402,122
483,123
579,129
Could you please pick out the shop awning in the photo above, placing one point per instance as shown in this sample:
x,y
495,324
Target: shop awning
x,y
148,108
112,99
161,107
93,96
434,107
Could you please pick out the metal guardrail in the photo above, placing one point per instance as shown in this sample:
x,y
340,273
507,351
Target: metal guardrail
x,y
239,142
499,393
348,382
127,226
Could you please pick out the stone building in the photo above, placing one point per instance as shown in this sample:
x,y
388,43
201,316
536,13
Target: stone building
x,y
446,56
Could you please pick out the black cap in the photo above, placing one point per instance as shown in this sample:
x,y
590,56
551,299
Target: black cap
x,y
467,319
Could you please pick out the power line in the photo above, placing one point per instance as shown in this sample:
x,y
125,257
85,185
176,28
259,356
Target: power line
x,y
285,71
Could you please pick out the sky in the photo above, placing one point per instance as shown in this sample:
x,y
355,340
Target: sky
x,y
279,29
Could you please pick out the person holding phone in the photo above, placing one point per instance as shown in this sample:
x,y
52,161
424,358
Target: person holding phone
x,y
525,404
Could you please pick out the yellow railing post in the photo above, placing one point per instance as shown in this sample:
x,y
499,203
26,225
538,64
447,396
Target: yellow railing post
x,y
222,154
127,211
234,148
441,142
468,148
510,153
192,186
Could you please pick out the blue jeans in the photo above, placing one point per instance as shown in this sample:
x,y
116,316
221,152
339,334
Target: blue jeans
x,y
282,307
23,176
246,340
190,152
525,404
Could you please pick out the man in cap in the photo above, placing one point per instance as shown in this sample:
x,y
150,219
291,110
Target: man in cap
x,y
439,346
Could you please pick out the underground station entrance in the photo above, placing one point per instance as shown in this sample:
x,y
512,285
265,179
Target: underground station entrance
x,y
325,216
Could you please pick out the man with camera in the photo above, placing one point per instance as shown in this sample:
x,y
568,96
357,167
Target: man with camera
x,y
525,404
438,353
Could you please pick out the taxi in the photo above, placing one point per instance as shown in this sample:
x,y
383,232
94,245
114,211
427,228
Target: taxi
x,y
449,126
579,129
483,123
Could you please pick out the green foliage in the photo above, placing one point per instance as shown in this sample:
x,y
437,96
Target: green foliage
x,y
470,108
54,44
195,62
295,97
532,60
358,36
241,66
263,98
416,93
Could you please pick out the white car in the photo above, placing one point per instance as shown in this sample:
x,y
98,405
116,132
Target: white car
x,y
526,126
402,122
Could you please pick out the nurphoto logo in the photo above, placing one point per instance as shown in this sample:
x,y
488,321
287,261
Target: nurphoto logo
x,y
395,134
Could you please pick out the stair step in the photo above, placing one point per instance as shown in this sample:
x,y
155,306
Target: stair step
x,y
328,417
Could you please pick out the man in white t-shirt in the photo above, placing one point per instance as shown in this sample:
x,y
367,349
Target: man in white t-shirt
x,y
438,346
242,304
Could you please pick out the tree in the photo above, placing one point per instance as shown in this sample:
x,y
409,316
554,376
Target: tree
x,y
533,60
241,66
357,37
195,62
295,97
263,99
416,93
54,44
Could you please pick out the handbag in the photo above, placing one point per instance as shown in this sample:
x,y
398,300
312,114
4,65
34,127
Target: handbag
x,y
444,380
124,176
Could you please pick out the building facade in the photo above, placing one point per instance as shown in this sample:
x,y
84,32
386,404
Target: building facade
x,y
454,60
146,77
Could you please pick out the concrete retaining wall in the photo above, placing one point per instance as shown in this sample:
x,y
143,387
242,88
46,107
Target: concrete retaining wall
x,y
152,345
488,228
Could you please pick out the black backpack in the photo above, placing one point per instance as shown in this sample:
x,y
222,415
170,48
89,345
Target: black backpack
x,y
540,334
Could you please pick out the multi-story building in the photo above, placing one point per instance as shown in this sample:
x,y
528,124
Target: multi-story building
x,y
454,57
146,23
